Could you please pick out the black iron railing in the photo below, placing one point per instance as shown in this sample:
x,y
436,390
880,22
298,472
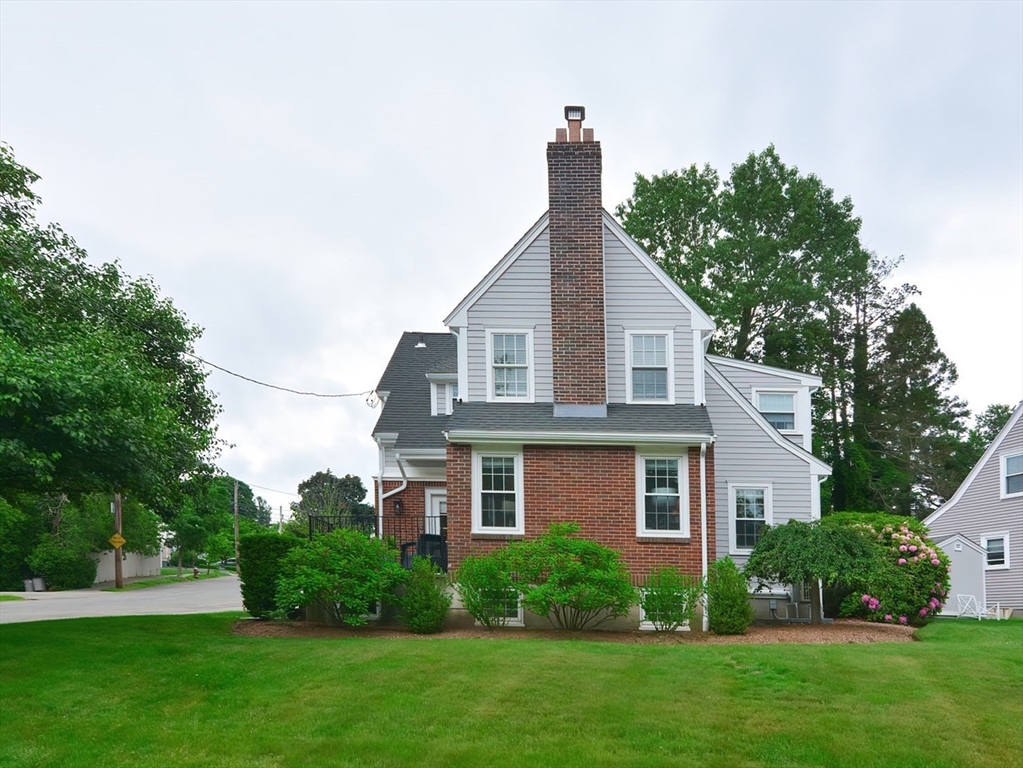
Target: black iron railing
x,y
412,535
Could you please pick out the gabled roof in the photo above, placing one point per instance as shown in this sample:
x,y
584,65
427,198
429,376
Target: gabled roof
x,y
407,409
960,537
700,319
457,318
536,423
797,451
991,449
806,379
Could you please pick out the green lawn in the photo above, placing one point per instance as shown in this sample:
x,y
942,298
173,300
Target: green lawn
x,y
182,691
10,598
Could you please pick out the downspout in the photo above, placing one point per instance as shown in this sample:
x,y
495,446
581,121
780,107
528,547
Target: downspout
x,y
400,488
703,527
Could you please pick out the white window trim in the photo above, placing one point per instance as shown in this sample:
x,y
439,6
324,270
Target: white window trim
x,y
683,492
669,353
477,488
649,626
1002,477
530,362
436,387
518,621
797,398
768,488
1004,536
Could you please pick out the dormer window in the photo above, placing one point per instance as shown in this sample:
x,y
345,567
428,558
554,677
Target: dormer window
x,y
650,370
510,369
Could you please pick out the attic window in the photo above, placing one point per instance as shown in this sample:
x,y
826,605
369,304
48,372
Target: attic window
x,y
1012,476
510,372
779,408
650,370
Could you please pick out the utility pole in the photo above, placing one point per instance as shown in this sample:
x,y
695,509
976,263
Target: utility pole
x,y
237,561
280,523
118,566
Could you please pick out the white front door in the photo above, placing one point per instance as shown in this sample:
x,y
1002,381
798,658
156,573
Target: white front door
x,y
437,511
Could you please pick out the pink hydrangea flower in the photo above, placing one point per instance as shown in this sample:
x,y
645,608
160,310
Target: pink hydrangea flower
x,y
902,561
887,617
935,561
923,611
912,547
903,548
866,598
902,619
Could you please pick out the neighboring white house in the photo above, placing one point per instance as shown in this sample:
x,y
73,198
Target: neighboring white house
x,y
987,510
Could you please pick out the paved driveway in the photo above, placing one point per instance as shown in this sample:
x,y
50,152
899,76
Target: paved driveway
x,y
206,596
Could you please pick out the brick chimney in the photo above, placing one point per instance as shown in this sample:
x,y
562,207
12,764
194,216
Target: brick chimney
x,y
577,270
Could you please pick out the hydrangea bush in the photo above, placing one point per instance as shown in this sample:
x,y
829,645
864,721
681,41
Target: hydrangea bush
x,y
911,586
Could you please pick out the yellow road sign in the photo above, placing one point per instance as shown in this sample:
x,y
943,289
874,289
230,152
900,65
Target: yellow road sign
x,y
117,540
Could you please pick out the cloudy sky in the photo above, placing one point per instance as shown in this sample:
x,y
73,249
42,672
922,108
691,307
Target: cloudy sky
x,y
308,180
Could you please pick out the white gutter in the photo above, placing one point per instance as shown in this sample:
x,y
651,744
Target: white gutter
x,y
574,438
703,527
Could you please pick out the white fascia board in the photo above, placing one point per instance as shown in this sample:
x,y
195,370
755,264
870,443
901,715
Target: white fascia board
x,y
386,438
817,467
459,315
576,438
442,377
806,379
700,320
423,453
995,444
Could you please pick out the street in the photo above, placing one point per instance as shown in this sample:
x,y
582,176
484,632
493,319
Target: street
x,y
205,596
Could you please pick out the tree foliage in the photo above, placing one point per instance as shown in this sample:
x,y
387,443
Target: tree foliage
x,y
799,552
324,493
97,390
776,259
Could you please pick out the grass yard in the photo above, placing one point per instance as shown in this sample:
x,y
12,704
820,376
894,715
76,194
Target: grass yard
x,y
183,691
10,598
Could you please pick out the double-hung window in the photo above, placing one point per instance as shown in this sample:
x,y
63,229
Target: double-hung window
x,y
1012,476
650,367
779,408
497,492
749,510
997,547
662,497
509,366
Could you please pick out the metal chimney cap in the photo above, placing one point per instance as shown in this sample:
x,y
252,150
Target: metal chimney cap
x,y
575,113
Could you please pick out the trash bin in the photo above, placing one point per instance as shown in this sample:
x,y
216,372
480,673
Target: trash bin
x,y
38,584
28,585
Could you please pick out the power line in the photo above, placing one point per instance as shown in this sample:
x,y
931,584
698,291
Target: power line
x,y
274,386
262,488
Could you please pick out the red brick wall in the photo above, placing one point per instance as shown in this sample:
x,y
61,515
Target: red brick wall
x,y
577,272
593,486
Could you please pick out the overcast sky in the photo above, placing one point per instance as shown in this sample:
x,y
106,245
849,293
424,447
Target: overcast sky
x,y
308,180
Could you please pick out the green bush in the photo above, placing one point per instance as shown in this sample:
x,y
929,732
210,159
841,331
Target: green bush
x,y
728,606
486,587
345,572
62,567
263,555
426,600
669,598
576,583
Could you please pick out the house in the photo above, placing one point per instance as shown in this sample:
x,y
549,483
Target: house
x,y
986,513
574,383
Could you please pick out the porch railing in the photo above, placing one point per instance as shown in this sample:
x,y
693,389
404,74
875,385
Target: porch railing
x,y
411,534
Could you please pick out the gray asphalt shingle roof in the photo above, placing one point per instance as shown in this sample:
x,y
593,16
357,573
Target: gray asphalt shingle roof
x,y
407,410
621,419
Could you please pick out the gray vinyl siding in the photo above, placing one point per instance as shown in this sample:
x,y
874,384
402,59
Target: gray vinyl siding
x,y
519,299
744,453
746,381
980,512
635,300
440,398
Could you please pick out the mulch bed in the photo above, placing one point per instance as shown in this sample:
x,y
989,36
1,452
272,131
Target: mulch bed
x,y
841,631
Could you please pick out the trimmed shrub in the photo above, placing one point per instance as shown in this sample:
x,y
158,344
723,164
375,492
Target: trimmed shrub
x,y
912,580
486,587
345,572
426,600
263,555
576,583
669,598
62,567
728,606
